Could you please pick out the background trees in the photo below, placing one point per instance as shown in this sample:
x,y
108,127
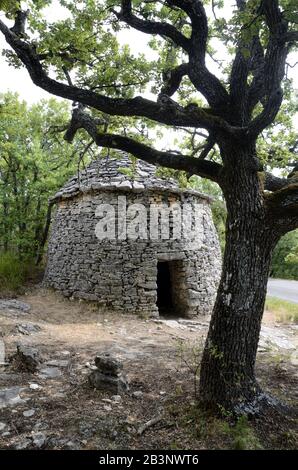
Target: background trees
x,y
34,163
285,257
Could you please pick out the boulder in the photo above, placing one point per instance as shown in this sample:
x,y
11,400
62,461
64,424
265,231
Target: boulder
x,y
26,358
108,365
17,305
109,383
27,328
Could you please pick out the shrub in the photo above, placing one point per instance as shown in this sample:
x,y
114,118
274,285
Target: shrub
x,y
242,435
13,273
285,258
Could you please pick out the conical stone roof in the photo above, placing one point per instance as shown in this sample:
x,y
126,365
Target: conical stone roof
x,y
119,174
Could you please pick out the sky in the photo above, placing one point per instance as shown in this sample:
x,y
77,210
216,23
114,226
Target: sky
x,y
19,81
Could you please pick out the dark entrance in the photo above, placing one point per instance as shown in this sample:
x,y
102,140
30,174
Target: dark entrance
x,y
164,289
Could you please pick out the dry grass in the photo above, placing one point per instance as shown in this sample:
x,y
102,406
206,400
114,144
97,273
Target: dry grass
x,y
283,311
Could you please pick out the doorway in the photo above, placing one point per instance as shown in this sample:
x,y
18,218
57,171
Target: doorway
x,y
164,289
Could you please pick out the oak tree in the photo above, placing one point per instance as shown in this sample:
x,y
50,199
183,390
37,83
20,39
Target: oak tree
x,y
79,58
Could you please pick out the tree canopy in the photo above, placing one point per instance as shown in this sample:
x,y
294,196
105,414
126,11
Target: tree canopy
x,y
242,98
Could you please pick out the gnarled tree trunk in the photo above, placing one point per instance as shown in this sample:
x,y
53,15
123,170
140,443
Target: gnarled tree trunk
x,y
227,371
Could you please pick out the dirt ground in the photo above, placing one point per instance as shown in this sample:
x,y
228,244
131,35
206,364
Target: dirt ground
x,y
62,411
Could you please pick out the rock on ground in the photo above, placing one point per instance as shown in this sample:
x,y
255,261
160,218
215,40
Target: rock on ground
x,y
26,358
27,328
10,396
100,381
14,304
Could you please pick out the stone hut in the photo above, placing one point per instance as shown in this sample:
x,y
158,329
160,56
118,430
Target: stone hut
x,y
133,241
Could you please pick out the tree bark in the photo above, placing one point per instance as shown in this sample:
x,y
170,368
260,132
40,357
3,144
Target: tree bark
x,y
45,233
227,379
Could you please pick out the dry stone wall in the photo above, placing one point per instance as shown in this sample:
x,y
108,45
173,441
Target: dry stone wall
x,y
122,274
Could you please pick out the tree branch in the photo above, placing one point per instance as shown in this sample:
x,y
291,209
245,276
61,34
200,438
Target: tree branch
x,y
81,120
284,203
203,80
173,78
267,116
292,36
242,65
269,76
20,22
257,67
207,148
170,113
151,27
273,16
274,183
238,86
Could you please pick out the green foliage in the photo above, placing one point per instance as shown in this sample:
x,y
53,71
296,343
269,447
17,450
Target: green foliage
x,y
242,434
219,214
89,42
13,272
85,42
285,257
293,256
190,355
215,432
276,144
34,162
9,5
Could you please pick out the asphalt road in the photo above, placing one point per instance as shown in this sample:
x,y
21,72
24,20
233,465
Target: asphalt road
x,y
283,289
